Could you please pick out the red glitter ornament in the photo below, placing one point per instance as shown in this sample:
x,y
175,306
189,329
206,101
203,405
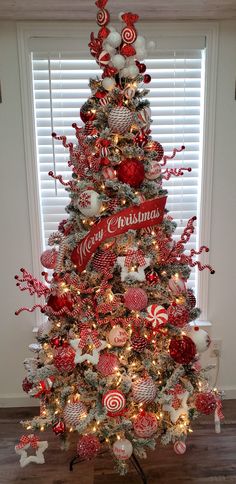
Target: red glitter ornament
x,y
178,315
104,261
64,359
147,78
127,50
131,171
138,343
135,299
152,278
59,428
56,342
59,302
88,446
205,403
141,138
182,349
108,363
26,385
49,258
155,146
145,424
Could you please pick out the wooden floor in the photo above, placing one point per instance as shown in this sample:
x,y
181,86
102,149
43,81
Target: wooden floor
x,y
209,458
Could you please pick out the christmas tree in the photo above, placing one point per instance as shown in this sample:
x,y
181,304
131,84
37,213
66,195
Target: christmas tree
x,y
117,360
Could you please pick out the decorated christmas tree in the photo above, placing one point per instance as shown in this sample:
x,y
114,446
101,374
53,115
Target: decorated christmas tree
x,y
116,359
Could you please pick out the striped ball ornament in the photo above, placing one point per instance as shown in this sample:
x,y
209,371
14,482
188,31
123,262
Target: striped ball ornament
x,y
179,447
120,119
73,413
144,390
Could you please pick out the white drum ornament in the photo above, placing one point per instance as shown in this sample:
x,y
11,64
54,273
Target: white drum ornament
x,y
157,315
73,413
117,336
180,447
122,449
89,203
177,285
201,339
144,390
120,119
108,83
154,170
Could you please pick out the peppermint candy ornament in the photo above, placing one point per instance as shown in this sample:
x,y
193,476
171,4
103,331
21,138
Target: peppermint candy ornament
x,y
48,258
129,33
157,315
154,170
180,447
103,17
122,449
120,119
114,402
104,58
144,390
73,413
89,203
108,364
145,425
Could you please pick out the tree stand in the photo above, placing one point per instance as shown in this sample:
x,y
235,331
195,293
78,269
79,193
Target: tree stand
x,y
134,461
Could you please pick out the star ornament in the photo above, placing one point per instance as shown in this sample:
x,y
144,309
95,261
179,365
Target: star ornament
x,y
138,263
25,443
182,409
79,344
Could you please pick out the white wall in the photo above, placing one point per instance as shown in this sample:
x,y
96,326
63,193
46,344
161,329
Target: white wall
x,y
15,239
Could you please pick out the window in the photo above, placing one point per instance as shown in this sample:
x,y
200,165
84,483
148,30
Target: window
x,y
54,60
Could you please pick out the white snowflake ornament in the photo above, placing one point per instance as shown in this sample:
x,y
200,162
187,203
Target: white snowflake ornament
x,y
89,203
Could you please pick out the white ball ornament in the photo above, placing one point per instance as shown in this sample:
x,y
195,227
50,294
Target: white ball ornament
x,y
118,61
117,336
108,83
114,39
125,72
140,42
133,71
151,45
123,449
109,48
201,339
141,54
89,203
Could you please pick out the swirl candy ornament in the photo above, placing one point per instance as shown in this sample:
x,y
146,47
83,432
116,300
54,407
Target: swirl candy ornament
x,y
114,402
129,33
103,17
157,315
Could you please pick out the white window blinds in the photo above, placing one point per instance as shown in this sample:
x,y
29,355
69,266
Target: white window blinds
x,y
60,86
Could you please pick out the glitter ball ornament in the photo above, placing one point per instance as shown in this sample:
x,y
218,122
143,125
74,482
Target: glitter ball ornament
x,y
152,278
117,336
135,299
182,349
88,446
89,203
138,343
108,364
120,119
145,424
87,113
205,403
191,300
26,385
114,402
178,315
104,261
147,78
131,171
122,449
57,303
144,390
157,315
73,413
59,428
155,146
179,447
154,170
201,339
64,359
49,258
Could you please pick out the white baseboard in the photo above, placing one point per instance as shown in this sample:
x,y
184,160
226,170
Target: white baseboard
x,y
18,400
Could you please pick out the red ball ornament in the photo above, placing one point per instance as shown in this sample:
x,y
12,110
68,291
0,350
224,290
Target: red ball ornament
x,y
180,447
88,446
205,403
155,146
152,278
108,363
135,299
142,68
56,342
131,171
64,359
87,113
138,343
56,303
178,315
191,300
49,258
182,350
59,428
26,385
144,390
141,138
104,261
147,78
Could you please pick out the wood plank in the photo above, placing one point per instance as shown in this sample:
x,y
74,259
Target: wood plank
x,y
209,458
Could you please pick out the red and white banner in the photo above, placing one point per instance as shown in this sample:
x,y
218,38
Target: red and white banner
x,y
147,214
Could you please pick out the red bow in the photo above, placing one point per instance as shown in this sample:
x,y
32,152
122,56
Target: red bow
x,y
130,18
86,334
101,3
44,387
177,390
135,256
28,439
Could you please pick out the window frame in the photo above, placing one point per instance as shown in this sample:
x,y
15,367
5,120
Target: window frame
x,y
77,33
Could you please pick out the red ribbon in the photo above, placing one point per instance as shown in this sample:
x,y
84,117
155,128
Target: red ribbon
x,y
130,18
135,257
89,333
28,439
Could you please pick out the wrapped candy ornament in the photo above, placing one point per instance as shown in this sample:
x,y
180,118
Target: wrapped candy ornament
x,y
89,203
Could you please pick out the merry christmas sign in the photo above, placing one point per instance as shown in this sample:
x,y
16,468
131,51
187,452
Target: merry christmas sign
x,y
147,214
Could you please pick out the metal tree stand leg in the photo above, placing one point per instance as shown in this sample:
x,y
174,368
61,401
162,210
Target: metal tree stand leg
x,y
133,460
